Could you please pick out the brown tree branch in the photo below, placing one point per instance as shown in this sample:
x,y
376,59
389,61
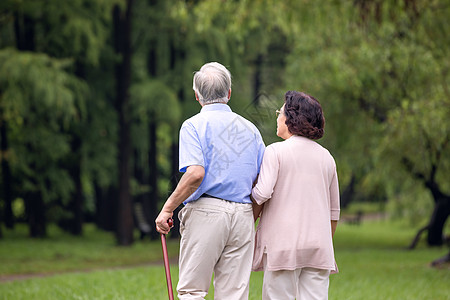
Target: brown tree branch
x,y
417,237
409,166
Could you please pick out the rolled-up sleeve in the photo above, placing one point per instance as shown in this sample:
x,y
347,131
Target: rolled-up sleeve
x,y
261,148
190,148
268,176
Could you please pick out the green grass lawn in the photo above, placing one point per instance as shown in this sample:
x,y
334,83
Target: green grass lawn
x,y
62,252
371,258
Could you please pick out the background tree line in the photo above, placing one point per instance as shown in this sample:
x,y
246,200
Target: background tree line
x,y
93,92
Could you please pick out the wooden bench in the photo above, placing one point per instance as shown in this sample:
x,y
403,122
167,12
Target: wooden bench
x,y
141,221
354,219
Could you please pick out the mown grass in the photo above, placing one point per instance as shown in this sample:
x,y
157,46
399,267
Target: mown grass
x,y
374,264
62,252
372,261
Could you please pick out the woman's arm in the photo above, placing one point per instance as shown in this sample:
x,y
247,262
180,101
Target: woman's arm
x,y
268,176
334,201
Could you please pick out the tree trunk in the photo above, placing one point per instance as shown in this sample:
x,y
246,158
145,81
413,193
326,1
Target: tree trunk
x,y
441,203
76,205
72,163
24,30
437,221
348,193
143,197
441,210
106,207
34,203
1,215
175,178
178,56
436,224
153,176
257,81
151,59
6,174
74,167
122,40
152,207
35,209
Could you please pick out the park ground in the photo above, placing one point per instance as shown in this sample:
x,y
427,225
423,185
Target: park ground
x,y
372,259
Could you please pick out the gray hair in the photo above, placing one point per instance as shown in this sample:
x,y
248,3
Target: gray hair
x,y
212,83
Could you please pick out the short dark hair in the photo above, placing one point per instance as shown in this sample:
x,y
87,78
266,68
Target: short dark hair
x,y
304,115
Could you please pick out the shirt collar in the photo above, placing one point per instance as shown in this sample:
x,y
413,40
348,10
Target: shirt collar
x,y
216,107
299,137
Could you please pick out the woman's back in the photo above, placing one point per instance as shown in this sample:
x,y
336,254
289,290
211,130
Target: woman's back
x,y
300,177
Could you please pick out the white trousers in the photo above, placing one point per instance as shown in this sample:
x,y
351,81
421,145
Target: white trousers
x,y
300,284
216,236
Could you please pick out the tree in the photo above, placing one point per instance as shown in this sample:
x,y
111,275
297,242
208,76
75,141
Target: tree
x,y
6,173
164,61
37,100
77,30
122,18
381,74
152,113
416,105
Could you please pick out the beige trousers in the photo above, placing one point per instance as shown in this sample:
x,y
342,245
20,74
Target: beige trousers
x,y
300,284
216,236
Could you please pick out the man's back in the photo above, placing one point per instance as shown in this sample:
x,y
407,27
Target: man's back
x,y
229,147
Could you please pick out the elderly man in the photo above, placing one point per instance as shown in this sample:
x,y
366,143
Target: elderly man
x,y
220,153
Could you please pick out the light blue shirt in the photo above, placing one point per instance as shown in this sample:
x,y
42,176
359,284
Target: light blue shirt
x,y
229,147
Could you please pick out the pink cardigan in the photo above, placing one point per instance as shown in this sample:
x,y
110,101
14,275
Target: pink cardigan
x,y
298,185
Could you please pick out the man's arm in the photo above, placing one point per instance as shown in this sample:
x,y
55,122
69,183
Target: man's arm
x,y
256,210
188,184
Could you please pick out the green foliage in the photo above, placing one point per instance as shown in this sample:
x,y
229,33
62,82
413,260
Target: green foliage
x,y
50,104
414,73
77,29
382,81
414,205
18,208
379,68
99,151
37,83
424,124
39,101
154,100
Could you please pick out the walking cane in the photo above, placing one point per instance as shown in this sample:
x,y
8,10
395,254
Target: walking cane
x,y
166,262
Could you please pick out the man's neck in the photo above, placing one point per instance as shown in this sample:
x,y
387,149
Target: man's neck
x,y
203,105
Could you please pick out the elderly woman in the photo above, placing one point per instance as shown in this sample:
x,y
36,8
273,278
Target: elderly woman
x,y
297,195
